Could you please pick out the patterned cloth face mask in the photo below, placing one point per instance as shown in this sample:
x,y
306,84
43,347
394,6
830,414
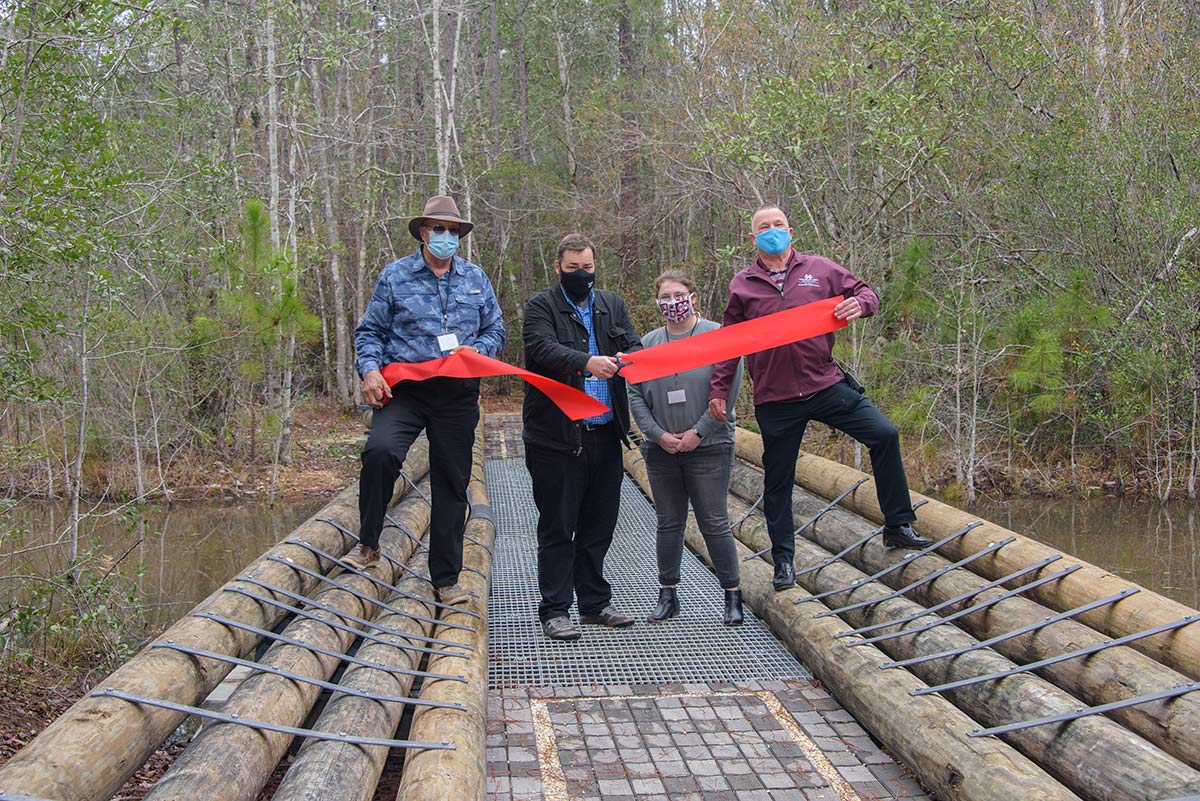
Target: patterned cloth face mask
x,y
676,309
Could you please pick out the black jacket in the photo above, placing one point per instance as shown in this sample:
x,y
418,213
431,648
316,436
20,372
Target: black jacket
x,y
556,346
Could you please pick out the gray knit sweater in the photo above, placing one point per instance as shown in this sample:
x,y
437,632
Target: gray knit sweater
x,y
654,415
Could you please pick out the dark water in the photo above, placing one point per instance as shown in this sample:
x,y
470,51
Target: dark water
x,y
175,557
179,556
1155,545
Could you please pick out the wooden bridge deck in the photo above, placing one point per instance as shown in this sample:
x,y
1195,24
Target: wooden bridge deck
x,y
990,666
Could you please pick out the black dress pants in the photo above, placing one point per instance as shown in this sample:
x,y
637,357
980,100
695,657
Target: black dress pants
x,y
782,424
577,498
447,409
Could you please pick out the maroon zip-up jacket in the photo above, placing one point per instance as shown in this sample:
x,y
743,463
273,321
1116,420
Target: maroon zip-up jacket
x,y
795,371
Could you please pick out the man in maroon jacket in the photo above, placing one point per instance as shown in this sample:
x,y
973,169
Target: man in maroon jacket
x,y
800,382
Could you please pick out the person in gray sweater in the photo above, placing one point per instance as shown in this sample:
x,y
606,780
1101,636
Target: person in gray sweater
x,y
688,454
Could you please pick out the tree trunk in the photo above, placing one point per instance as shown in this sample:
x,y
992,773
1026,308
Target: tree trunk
x,y
362,284
17,124
523,148
564,81
283,439
493,81
627,213
326,314
272,125
443,58
328,181
1099,18
525,244
80,430
139,484
1194,472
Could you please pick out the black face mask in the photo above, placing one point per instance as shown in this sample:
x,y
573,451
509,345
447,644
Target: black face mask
x,y
577,284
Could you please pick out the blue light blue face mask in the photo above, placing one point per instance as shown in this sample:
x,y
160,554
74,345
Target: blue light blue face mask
x,y
443,245
773,240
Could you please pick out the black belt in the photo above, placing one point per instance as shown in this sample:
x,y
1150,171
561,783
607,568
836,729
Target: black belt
x,y
595,426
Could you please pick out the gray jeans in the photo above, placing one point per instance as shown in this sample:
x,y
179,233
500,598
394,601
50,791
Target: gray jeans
x,y
701,476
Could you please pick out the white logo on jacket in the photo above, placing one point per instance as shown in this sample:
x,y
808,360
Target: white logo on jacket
x,y
808,280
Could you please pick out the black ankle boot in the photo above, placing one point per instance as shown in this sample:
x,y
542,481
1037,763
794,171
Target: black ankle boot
x,y
668,605
733,608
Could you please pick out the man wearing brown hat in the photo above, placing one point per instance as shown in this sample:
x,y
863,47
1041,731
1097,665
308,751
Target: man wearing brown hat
x,y
425,306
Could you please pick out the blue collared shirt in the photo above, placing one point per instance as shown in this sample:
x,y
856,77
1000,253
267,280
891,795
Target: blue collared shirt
x,y
411,308
596,387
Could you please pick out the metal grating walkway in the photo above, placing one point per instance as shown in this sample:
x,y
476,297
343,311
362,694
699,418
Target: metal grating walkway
x,y
693,647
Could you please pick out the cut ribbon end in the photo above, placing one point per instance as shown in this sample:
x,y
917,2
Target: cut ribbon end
x,y
466,363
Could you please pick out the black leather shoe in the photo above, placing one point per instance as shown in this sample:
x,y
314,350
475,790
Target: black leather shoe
x,y
668,605
904,537
560,628
785,576
607,617
733,608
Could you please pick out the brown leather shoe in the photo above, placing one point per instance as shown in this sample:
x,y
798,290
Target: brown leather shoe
x,y
361,557
608,616
560,628
453,595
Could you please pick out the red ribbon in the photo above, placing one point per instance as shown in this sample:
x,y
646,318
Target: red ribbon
x,y
732,341
469,364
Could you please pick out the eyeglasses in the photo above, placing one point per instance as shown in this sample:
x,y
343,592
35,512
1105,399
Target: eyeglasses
x,y
676,296
441,229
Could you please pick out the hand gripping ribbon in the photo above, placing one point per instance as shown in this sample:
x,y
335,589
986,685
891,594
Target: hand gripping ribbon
x,y
681,355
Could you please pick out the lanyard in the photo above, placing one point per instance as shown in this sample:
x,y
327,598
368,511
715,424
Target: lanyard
x,y
667,334
444,300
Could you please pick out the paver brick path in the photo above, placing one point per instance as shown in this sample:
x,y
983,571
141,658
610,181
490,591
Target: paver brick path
x,y
760,738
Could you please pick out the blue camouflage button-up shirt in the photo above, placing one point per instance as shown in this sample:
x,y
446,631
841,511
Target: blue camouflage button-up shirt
x,y
411,308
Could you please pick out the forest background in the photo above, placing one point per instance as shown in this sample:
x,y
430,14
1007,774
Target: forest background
x,y
196,199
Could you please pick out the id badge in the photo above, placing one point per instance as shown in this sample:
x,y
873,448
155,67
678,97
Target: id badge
x,y
677,396
447,342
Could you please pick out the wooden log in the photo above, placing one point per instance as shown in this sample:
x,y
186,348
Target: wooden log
x,y
1179,650
1114,674
927,733
459,775
231,762
331,770
1094,756
97,744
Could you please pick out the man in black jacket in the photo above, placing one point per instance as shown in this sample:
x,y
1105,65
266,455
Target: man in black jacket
x,y
572,333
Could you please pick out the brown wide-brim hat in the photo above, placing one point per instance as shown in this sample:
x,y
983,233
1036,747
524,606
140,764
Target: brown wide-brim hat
x,y
439,207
